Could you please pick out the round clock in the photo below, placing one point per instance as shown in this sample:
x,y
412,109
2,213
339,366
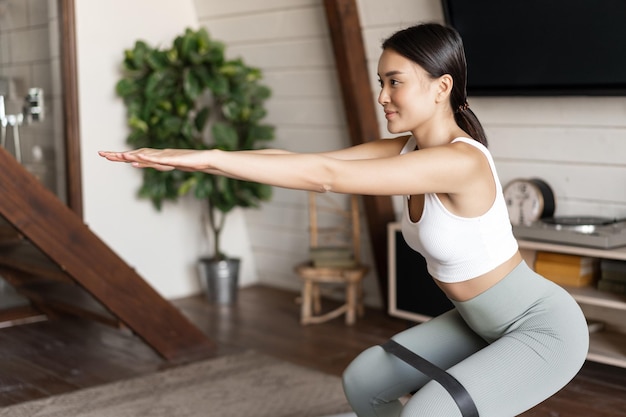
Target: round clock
x,y
528,200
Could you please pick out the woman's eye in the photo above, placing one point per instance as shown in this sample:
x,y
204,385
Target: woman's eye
x,y
392,83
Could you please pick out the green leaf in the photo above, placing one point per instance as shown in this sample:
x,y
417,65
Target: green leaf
x,y
191,85
139,53
152,85
204,41
157,60
204,187
225,136
138,124
126,87
264,192
201,118
187,185
218,84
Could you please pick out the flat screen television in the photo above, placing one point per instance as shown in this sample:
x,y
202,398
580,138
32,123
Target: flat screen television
x,y
542,47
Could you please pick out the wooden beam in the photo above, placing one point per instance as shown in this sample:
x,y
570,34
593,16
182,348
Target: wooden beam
x,y
358,101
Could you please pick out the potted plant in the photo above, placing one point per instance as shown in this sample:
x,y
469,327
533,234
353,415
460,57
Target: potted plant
x,y
190,96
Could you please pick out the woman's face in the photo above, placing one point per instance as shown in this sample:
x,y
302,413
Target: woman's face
x,y
408,93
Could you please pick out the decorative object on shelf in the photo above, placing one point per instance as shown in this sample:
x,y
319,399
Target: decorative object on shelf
x,y
563,269
612,276
172,94
586,231
529,200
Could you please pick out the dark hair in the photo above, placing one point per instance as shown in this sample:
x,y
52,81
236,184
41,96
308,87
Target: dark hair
x,y
439,50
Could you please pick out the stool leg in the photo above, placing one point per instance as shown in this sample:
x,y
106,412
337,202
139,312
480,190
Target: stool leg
x,y
317,299
307,296
351,301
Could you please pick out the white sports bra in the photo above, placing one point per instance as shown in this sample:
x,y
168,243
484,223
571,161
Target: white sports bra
x,y
460,248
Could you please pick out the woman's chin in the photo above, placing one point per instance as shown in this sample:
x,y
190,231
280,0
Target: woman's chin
x,y
395,130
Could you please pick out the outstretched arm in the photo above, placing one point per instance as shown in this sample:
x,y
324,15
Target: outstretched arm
x,y
427,170
275,167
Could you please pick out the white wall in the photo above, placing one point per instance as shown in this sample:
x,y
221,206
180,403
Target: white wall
x,y
575,143
162,247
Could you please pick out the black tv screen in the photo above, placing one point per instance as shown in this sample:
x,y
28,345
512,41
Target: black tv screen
x,y
542,47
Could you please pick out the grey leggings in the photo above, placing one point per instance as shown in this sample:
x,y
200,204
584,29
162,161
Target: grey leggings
x,y
511,347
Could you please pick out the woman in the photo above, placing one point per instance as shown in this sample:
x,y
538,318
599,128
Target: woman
x,y
513,338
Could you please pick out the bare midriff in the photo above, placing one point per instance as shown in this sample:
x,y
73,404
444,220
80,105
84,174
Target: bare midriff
x,y
466,290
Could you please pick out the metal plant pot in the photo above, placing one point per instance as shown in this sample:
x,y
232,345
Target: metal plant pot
x,y
219,279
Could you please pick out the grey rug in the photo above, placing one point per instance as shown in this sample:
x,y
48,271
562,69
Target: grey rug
x,y
245,385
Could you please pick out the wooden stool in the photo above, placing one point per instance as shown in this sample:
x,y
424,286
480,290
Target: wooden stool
x,y
346,273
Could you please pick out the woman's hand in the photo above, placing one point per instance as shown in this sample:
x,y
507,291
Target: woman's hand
x,y
162,159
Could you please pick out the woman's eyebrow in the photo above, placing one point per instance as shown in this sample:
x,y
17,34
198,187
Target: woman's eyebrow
x,y
393,72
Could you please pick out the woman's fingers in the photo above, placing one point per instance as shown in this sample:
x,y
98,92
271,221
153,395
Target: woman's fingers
x,y
161,159
135,158
112,156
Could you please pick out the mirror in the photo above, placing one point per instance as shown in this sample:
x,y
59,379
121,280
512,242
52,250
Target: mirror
x,y
38,93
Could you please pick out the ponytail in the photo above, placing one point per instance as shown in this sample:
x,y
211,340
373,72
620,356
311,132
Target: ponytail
x,y
467,120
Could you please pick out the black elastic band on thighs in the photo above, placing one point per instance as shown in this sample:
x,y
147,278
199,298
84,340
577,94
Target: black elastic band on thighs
x,y
459,394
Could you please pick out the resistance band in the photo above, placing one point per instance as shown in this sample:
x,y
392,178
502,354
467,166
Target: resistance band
x,y
459,394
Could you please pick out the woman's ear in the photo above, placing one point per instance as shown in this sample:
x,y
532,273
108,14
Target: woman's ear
x,y
444,87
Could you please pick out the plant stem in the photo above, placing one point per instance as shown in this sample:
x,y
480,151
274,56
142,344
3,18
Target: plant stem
x,y
217,226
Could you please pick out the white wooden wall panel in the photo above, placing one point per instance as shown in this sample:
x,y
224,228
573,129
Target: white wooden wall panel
x,y
587,145
551,111
210,8
311,138
287,54
398,13
298,82
258,28
301,111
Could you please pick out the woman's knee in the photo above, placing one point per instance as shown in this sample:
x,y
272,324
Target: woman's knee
x,y
356,377
375,380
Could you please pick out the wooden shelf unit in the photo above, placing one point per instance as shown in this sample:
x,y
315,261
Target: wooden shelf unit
x,y
606,346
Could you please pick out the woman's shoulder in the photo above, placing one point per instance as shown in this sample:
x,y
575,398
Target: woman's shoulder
x,y
472,143
468,140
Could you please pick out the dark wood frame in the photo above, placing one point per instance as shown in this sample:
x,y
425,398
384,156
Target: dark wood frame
x,y
351,63
69,73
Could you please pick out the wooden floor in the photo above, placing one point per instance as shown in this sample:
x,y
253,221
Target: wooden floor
x,y
49,358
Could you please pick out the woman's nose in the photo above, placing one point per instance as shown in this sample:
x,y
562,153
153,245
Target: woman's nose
x,y
383,98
